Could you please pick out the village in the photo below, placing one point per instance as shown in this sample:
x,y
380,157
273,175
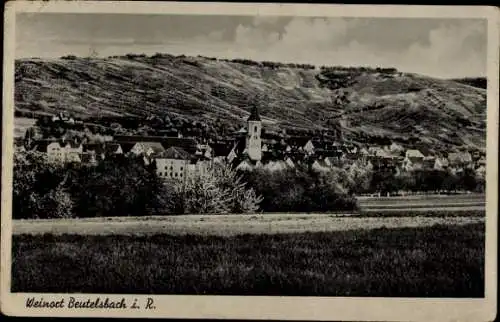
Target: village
x,y
178,157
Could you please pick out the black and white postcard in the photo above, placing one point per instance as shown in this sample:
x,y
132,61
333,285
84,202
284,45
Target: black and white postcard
x,y
250,161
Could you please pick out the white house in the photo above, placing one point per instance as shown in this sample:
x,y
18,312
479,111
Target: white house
x,y
73,152
414,155
245,165
172,163
440,164
414,159
58,151
460,159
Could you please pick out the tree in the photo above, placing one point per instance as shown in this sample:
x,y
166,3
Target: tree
x,y
217,191
360,178
57,204
38,188
117,186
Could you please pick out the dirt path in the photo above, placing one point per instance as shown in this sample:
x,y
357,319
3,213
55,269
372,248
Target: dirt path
x,y
229,224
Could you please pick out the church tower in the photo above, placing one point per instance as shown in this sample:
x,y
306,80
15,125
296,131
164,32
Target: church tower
x,y
254,140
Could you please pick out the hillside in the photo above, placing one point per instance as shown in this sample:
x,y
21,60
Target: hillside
x,y
479,82
369,105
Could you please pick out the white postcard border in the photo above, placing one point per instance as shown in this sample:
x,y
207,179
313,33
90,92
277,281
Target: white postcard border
x,y
264,307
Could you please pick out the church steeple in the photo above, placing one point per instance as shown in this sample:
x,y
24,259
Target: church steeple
x,y
254,114
253,139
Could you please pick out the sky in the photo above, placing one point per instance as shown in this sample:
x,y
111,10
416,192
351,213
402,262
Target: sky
x,y
445,48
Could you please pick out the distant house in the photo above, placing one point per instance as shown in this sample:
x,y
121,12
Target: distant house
x,y
205,150
129,141
60,151
460,159
415,156
89,158
93,152
289,162
223,152
172,163
374,150
334,161
73,151
320,166
245,165
113,149
413,160
300,144
429,162
440,164
198,165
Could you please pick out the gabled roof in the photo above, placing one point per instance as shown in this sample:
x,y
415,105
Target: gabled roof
x,y
111,147
383,153
321,163
459,157
221,149
187,144
298,141
174,153
414,154
127,146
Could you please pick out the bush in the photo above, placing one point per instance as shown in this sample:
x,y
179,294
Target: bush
x,y
37,188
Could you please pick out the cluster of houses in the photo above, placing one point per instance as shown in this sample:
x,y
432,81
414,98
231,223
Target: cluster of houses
x,y
178,157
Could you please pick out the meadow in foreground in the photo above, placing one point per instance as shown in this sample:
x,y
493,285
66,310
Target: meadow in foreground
x,y
438,261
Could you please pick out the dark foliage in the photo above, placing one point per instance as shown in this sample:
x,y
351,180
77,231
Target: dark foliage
x,y
298,191
479,82
426,181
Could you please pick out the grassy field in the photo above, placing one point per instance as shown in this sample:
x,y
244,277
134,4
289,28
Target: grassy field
x,y
425,203
437,261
